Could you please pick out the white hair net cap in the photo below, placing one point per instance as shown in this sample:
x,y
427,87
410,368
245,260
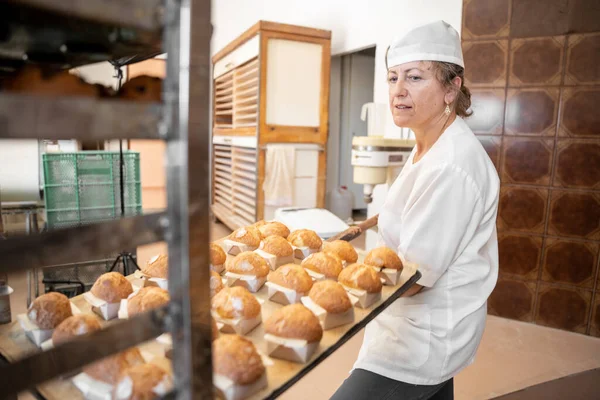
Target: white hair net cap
x,y
437,41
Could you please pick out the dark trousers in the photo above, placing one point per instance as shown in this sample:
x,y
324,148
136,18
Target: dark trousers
x,y
366,385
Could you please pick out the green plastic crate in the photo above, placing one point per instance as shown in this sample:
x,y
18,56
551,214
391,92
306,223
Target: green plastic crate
x,y
83,187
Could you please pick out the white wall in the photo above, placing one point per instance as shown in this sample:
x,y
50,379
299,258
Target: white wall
x,y
355,24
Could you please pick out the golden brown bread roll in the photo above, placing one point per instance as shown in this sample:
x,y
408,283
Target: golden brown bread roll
x,y
109,369
383,257
305,238
360,276
249,236
294,322
342,249
235,302
274,228
248,263
291,276
216,283
142,88
75,325
32,80
49,310
331,296
146,299
112,287
236,358
217,254
260,223
323,263
140,381
277,246
157,267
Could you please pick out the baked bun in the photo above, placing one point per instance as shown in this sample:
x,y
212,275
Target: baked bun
x,y
274,228
331,296
146,299
294,322
277,246
32,80
260,223
323,263
291,276
157,267
217,254
360,276
236,358
142,88
75,325
49,310
383,257
139,381
235,302
248,263
342,249
216,283
305,238
111,368
249,236
112,287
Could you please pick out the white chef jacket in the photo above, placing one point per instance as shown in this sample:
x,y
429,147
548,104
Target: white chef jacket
x,y
440,213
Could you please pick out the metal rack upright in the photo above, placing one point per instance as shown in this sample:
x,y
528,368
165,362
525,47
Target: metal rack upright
x,y
181,120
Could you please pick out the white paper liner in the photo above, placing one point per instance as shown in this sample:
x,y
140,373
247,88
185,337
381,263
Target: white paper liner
x,y
295,350
389,276
235,248
363,298
35,334
315,276
240,326
250,282
302,252
102,308
124,389
230,391
274,261
91,388
143,280
219,269
282,295
328,320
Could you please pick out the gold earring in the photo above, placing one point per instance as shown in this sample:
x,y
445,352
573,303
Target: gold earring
x,y
447,110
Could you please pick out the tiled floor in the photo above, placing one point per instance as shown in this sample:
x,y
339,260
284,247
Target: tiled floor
x,y
512,356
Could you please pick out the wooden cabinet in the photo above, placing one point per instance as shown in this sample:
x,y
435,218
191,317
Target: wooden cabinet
x,y
270,85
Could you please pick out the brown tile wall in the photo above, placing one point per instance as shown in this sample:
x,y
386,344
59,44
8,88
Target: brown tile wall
x,y
533,67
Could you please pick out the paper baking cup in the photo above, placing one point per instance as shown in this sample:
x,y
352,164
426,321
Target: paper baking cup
x,y
328,320
250,282
282,295
230,391
295,350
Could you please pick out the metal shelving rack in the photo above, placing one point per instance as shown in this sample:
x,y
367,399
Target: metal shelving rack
x,y
113,29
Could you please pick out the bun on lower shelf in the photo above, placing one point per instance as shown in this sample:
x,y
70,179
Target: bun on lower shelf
x,y
142,88
76,325
146,299
157,267
49,310
142,382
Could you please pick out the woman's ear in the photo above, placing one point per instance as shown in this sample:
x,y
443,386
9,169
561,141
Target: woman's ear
x,y
452,92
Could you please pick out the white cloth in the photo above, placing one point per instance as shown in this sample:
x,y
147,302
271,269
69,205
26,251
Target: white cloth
x,y
437,41
440,213
279,175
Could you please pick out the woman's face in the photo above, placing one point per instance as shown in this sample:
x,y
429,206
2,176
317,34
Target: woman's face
x,y
417,98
